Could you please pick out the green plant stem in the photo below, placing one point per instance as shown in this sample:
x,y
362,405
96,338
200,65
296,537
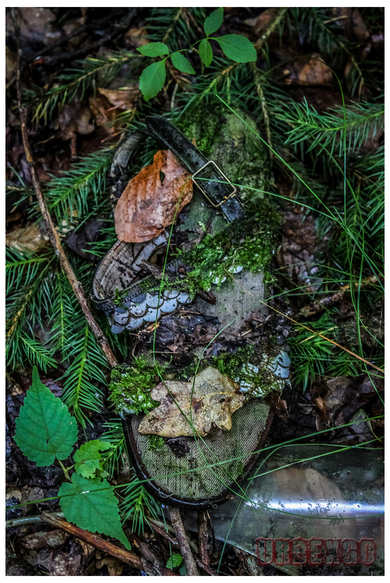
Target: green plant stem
x,y
65,470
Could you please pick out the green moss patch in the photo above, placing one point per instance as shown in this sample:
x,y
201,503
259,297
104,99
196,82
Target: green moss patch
x,y
247,243
130,387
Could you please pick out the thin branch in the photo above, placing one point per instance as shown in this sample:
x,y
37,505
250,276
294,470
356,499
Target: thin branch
x,y
183,542
100,543
160,529
53,235
203,537
270,29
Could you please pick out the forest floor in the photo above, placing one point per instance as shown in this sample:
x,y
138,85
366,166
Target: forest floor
x,y
315,95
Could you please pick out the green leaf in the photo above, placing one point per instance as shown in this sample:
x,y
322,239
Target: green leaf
x,y
238,48
213,22
205,52
86,504
154,50
152,79
45,429
174,560
181,63
88,457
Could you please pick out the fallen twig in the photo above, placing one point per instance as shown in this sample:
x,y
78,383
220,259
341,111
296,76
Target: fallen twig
x,y
183,541
331,299
23,520
152,564
203,537
271,27
52,233
101,544
161,531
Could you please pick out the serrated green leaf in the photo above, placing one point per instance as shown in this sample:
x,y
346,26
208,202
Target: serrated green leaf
x,y
154,50
214,21
152,79
181,63
174,560
88,457
45,429
238,48
86,504
206,52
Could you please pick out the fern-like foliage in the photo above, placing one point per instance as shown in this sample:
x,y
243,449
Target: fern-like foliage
x,y
27,276
77,80
71,194
177,27
313,355
77,344
136,502
318,26
113,433
329,129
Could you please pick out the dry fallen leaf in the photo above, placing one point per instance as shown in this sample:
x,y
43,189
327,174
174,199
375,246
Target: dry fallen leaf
x,y
137,36
74,119
27,239
260,22
152,199
215,397
122,98
309,72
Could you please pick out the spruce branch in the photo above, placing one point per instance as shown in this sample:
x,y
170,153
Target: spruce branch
x,y
53,235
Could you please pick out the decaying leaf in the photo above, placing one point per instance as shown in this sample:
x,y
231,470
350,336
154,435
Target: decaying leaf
x,y
152,199
27,239
215,398
310,72
122,98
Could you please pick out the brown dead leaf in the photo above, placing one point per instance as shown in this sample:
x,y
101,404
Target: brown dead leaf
x,y
309,72
137,36
352,22
42,539
152,199
215,397
74,119
122,98
101,110
114,566
27,239
262,21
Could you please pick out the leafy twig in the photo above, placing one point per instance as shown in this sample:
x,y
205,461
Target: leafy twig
x,y
52,233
